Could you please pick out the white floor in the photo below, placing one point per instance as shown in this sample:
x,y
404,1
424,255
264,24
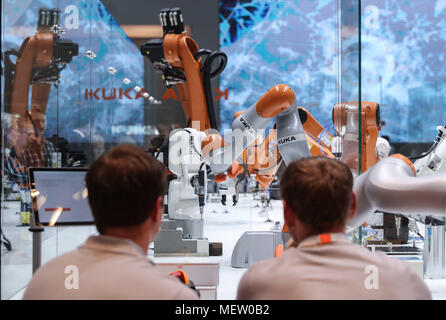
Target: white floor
x,y
220,226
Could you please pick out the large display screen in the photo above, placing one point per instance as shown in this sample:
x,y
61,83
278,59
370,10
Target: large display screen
x,y
273,42
293,42
404,65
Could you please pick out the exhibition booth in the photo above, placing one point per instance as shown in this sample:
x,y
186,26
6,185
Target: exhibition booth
x,y
225,94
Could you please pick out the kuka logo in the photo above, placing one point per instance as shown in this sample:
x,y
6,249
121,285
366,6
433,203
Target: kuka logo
x,y
247,126
90,94
286,140
114,93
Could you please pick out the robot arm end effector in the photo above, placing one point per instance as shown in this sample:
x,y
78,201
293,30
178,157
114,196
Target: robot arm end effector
x,y
63,49
172,23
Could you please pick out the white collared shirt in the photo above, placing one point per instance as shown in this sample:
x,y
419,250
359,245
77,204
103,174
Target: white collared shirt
x,y
105,268
338,269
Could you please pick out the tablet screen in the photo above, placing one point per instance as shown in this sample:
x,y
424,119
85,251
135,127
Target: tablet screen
x,y
60,196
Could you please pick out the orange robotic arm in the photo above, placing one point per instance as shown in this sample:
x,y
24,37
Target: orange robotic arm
x,y
264,159
177,55
277,104
39,61
346,123
314,129
35,52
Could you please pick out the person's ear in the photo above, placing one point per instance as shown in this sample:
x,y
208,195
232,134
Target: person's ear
x,y
158,210
288,215
353,207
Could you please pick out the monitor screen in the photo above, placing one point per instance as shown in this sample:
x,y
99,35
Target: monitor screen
x,y
60,196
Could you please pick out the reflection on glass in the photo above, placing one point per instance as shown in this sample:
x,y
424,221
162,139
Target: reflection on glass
x,y
41,201
84,193
80,194
34,193
404,68
69,116
55,216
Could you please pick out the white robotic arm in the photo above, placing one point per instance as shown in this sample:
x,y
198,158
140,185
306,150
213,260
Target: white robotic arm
x,y
392,186
433,161
188,189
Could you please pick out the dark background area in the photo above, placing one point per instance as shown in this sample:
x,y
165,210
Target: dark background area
x,y
201,15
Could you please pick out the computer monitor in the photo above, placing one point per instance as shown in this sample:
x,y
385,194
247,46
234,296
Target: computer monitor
x,y
60,196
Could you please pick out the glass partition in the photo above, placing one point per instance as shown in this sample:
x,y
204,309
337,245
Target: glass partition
x,y
311,46
347,113
406,39
403,68
94,101
108,94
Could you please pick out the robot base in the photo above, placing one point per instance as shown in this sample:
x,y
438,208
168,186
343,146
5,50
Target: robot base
x,y
171,241
255,246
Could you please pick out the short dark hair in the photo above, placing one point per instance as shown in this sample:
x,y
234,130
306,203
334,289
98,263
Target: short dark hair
x,y
319,192
123,186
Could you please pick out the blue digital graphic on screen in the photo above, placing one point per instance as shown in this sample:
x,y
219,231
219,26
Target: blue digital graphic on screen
x,y
273,42
293,42
92,103
404,65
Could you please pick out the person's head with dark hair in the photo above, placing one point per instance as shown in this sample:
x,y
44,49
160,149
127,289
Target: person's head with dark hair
x,y
317,197
125,192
